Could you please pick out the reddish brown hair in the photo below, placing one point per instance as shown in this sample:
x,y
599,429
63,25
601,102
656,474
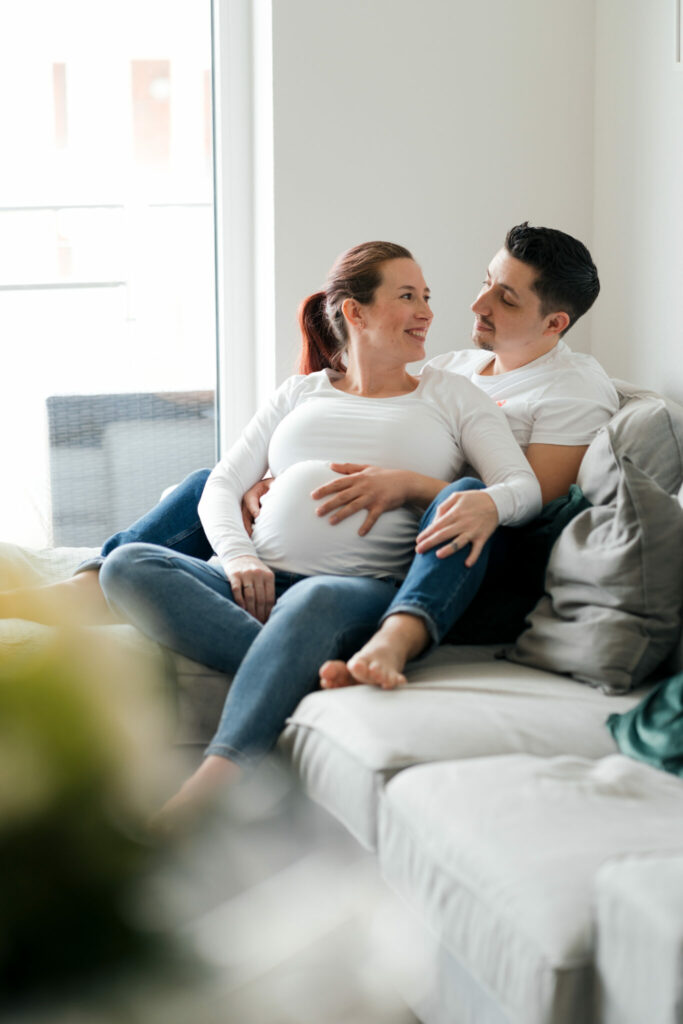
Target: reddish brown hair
x,y
356,274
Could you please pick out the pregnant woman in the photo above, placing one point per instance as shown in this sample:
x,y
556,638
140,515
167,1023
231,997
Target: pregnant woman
x,y
327,585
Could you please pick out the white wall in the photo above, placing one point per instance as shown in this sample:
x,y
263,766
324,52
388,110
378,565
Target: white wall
x,y
639,194
436,125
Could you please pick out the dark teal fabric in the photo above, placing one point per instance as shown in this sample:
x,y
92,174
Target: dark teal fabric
x,y
515,580
653,730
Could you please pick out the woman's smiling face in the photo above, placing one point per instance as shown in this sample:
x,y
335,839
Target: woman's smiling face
x,y
398,318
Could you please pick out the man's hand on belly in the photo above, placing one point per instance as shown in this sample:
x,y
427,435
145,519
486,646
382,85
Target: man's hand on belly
x,y
374,489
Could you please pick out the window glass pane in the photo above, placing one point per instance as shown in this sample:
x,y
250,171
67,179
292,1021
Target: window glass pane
x,y
107,298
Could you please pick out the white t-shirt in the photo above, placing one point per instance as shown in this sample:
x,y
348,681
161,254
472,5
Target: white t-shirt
x,y
438,429
563,397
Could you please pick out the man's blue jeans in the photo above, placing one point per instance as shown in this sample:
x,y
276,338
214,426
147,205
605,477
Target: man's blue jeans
x,y
187,605
438,590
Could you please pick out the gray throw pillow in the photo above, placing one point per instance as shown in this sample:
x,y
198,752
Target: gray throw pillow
x,y
649,430
614,586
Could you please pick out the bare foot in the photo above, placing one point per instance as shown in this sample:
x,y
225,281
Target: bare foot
x,y
334,674
76,601
183,810
378,665
380,662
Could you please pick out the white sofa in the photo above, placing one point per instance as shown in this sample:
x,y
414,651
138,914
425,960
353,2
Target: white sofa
x,y
543,869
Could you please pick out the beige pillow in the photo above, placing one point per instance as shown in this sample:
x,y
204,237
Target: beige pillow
x,y
615,587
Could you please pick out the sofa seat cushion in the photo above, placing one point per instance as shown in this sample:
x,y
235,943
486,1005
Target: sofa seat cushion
x,y
500,855
460,702
639,911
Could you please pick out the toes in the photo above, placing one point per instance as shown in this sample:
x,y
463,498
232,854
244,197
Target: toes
x,y
360,670
334,674
384,676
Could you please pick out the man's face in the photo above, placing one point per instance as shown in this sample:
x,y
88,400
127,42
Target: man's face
x,y
507,310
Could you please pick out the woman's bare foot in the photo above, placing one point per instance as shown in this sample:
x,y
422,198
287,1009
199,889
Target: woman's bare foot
x,y
382,659
180,812
76,601
334,674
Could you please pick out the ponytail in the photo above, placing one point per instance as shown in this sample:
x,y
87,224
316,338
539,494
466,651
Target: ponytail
x,y
320,348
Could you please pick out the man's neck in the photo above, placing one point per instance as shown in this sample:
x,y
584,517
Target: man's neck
x,y
503,362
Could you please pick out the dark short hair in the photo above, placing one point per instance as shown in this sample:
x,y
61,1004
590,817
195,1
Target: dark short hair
x,y
567,278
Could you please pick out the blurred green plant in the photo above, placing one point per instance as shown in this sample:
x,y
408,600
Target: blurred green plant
x,y
82,747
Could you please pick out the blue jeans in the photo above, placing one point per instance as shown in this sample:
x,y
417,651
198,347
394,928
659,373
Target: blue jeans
x,y
438,590
187,605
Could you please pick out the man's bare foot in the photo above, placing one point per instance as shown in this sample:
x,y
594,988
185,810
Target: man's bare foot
x,y
77,601
183,810
378,665
380,662
334,674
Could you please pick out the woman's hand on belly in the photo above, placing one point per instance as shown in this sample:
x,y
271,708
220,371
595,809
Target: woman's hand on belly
x,y
252,584
364,487
466,517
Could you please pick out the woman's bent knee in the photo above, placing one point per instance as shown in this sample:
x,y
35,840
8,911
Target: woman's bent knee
x,y
122,564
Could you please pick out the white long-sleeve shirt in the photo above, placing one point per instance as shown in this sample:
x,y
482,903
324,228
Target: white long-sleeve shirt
x,y
441,427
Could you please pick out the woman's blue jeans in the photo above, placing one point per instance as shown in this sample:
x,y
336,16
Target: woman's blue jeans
x,y
187,605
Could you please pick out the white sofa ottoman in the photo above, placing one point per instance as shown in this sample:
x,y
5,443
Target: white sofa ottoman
x,y
499,857
639,913
460,702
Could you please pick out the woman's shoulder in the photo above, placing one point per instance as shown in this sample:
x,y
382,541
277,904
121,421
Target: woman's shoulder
x,y
301,384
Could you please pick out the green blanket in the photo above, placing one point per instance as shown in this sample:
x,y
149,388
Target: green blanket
x,y
653,730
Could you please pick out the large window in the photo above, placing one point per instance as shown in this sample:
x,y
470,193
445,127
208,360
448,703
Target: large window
x,y
107,297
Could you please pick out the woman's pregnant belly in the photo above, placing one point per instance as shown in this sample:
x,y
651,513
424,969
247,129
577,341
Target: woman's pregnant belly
x,y
288,534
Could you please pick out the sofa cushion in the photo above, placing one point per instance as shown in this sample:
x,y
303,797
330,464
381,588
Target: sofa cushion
x,y
648,430
28,567
500,854
460,702
639,916
615,585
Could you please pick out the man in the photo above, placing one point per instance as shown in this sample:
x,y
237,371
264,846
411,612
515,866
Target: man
x,y
535,288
